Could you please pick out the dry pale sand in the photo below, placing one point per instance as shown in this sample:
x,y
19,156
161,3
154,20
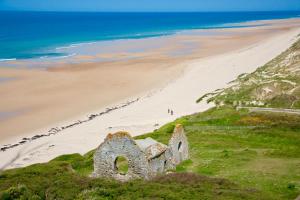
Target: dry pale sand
x,y
61,95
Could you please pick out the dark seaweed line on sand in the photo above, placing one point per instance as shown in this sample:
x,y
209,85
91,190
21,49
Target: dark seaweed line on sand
x,y
56,130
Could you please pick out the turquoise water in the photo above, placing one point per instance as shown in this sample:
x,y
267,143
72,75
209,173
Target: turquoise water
x,y
27,35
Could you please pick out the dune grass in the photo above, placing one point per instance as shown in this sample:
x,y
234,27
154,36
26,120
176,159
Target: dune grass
x,y
276,84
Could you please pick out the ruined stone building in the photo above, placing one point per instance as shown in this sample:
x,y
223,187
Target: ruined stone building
x,y
146,157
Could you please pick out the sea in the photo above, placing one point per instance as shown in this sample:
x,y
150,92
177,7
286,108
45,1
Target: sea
x,y
30,35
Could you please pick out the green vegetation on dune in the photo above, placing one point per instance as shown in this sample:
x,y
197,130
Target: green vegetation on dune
x,y
276,84
233,155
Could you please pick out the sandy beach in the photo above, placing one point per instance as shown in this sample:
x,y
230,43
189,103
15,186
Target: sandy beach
x,y
71,107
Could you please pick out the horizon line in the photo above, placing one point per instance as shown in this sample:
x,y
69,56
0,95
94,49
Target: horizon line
x,y
112,11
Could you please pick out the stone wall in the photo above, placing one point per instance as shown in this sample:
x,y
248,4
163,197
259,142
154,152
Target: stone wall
x,y
178,145
115,145
143,161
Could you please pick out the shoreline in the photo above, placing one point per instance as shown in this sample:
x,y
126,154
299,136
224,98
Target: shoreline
x,y
163,96
55,48
68,56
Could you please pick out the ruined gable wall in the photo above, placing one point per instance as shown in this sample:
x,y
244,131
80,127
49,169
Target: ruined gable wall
x,y
141,164
120,144
178,145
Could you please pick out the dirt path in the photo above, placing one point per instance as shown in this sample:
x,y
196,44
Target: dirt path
x,y
275,110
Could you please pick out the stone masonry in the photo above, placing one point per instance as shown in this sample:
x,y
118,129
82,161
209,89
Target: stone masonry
x,y
146,157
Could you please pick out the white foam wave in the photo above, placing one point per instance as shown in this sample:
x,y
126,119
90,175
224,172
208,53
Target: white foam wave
x,y
66,56
7,59
42,57
75,45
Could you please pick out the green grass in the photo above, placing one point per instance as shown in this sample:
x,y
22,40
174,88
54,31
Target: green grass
x,y
259,150
58,180
233,155
122,165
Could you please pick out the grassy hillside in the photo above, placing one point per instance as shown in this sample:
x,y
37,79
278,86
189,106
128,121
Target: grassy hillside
x,y
234,155
255,150
276,84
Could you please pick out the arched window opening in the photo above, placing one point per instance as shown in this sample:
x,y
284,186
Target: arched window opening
x,y
121,165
